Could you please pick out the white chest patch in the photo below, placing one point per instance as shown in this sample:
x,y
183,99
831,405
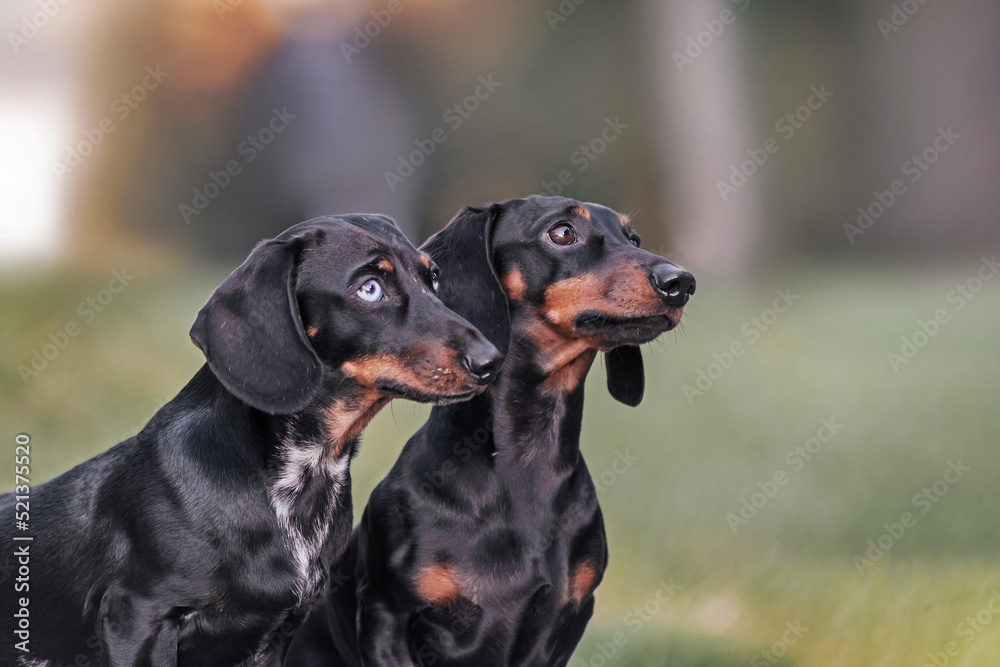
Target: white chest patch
x,y
303,463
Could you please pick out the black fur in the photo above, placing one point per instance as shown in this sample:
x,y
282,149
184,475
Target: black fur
x,y
484,543
207,537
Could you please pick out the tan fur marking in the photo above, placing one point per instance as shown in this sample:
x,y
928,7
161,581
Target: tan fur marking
x,y
386,265
368,370
513,284
623,220
566,298
581,582
580,211
312,331
438,584
435,371
346,419
426,261
567,378
625,293
564,354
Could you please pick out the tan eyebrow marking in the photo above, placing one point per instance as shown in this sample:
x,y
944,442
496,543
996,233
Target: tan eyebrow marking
x,y
386,265
580,211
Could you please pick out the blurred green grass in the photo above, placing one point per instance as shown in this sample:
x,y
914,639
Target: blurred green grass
x,y
666,515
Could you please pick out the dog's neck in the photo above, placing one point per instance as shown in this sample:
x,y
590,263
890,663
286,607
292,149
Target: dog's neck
x,y
331,422
538,401
310,476
334,419
300,460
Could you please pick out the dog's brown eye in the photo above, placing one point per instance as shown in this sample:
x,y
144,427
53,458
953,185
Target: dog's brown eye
x,y
634,241
562,235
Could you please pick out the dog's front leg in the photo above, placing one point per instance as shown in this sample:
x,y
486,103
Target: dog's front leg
x,y
382,637
137,633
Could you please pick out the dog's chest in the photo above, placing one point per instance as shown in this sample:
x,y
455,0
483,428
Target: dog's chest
x,y
307,495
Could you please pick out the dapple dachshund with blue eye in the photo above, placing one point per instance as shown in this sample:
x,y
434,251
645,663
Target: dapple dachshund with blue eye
x,y
483,545
205,538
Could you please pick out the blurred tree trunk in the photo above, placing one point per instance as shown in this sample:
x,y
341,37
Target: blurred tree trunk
x,y
698,93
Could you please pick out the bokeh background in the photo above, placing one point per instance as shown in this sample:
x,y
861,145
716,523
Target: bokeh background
x,y
813,476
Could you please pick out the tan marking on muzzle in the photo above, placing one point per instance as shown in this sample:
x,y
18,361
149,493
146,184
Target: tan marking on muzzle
x,y
564,354
312,331
566,298
435,371
623,293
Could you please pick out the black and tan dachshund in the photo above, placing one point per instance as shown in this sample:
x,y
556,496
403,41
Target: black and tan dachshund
x,y
483,545
205,539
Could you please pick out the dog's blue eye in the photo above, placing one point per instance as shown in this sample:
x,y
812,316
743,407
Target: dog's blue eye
x,y
434,282
371,291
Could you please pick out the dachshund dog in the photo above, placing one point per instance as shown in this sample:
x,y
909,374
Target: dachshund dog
x,y
484,543
206,538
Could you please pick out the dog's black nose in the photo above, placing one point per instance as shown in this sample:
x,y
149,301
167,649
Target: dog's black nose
x,y
482,360
674,283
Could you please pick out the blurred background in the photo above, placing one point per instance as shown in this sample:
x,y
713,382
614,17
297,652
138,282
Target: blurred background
x,y
814,478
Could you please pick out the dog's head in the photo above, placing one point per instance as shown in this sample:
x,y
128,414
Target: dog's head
x,y
567,276
346,298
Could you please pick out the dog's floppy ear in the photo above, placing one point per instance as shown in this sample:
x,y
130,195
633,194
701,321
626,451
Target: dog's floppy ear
x,y
252,336
626,377
469,283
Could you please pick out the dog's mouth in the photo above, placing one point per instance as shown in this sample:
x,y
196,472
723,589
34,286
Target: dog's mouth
x,y
425,394
616,330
